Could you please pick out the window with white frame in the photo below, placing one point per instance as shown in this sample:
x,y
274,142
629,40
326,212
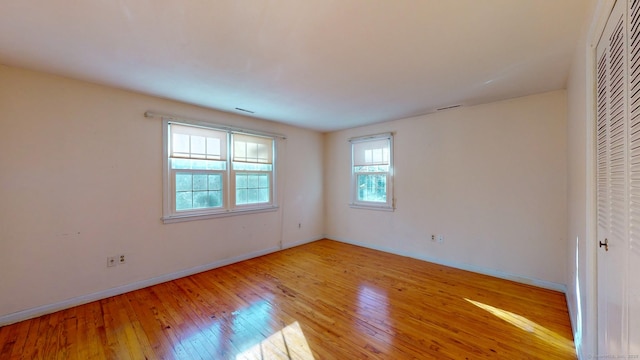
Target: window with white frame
x,y
213,172
372,172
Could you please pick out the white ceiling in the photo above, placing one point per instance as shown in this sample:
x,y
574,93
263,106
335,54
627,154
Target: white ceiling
x,y
318,64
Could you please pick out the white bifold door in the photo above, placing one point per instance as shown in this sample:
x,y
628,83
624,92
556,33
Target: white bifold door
x,y
618,182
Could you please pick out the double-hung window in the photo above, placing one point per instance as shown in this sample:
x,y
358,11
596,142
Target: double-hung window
x,y
252,169
372,172
212,172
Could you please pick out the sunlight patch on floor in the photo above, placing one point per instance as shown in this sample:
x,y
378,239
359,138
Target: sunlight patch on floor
x,y
537,330
288,343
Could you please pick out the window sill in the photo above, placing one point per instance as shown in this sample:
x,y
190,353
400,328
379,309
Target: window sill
x,y
191,217
372,207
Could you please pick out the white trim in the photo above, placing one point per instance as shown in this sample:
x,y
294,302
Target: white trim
x,y
361,205
476,269
590,311
190,217
572,316
302,242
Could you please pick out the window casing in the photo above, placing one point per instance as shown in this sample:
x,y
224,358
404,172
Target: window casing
x,y
212,172
372,172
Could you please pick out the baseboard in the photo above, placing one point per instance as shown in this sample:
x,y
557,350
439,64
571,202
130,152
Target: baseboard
x,y
84,299
302,242
573,315
476,269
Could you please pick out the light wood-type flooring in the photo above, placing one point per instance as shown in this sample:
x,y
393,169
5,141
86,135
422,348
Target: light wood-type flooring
x,y
323,300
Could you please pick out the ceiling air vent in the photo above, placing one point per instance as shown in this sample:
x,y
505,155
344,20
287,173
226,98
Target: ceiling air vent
x,y
245,110
449,107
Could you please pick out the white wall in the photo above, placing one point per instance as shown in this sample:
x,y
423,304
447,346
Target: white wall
x,y
81,179
490,178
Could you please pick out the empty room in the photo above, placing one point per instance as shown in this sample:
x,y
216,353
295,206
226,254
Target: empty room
x,y
319,179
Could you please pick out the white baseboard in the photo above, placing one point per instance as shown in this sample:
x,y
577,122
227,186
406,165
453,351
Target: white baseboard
x,y
476,269
50,308
302,242
573,315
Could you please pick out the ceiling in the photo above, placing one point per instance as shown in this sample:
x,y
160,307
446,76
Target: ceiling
x,y
319,64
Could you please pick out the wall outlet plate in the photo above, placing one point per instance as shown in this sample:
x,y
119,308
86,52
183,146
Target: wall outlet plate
x,y
111,261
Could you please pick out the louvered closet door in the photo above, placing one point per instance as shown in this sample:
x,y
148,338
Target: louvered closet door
x,y
612,183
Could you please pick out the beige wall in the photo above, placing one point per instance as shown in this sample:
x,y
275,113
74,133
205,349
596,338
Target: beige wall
x,y
81,179
490,178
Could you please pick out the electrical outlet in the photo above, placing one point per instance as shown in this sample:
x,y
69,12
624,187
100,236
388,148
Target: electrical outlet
x,y
122,259
111,261
433,238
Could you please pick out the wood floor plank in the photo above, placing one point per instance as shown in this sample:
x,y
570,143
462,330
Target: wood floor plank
x,y
323,300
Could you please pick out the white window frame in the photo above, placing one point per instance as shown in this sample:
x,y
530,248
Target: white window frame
x,y
229,208
389,205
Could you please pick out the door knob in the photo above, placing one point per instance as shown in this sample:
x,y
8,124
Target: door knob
x,y
605,244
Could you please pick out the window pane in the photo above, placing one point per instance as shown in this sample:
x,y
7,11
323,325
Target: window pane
x,y
252,189
184,200
198,191
215,182
253,181
264,181
240,166
241,181
200,182
241,196
215,198
377,168
191,164
183,182
263,195
252,196
200,199
372,188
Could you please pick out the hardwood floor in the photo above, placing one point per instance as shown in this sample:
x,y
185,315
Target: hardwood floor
x,y
323,300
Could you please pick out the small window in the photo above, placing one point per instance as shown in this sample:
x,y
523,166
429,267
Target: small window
x,y
213,172
371,174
